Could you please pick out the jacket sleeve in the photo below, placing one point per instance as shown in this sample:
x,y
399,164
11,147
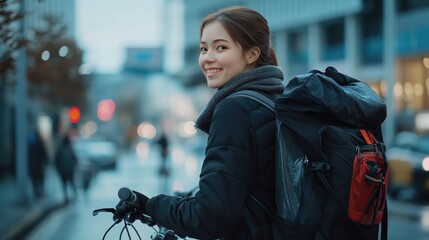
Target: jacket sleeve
x,y
226,176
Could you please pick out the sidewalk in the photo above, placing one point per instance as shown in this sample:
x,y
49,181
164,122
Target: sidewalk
x,y
17,217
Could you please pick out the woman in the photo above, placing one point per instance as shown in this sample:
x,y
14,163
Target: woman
x,y
237,177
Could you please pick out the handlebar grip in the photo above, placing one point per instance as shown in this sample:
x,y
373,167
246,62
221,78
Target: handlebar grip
x,y
127,195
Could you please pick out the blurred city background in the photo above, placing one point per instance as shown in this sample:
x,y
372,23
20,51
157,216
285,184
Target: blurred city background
x,y
117,85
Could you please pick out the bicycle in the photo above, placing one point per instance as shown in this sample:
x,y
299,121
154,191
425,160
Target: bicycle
x,y
127,196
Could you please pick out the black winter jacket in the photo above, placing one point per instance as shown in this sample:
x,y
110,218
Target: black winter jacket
x,y
239,160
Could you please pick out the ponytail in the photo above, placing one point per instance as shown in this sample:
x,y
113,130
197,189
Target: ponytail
x,y
273,57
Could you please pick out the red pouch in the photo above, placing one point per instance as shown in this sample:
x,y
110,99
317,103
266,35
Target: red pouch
x,y
369,182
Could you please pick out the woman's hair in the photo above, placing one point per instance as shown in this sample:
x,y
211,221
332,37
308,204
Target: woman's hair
x,y
248,28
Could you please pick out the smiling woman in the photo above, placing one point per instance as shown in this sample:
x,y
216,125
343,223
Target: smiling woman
x,y
235,54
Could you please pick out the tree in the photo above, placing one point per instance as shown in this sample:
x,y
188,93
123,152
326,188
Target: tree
x,y
10,42
53,67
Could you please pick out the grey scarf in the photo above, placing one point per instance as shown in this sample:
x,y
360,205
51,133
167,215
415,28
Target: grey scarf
x,y
267,79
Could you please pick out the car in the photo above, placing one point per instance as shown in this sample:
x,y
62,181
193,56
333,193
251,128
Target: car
x,y
408,161
98,154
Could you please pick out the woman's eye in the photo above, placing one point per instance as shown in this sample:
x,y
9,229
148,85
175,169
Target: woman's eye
x,y
203,49
221,47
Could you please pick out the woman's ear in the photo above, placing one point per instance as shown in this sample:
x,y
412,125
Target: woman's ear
x,y
252,55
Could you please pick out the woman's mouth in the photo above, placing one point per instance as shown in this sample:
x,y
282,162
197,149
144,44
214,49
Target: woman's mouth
x,y
213,71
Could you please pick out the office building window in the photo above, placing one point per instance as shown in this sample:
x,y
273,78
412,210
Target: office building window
x,y
410,5
413,40
333,40
298,47
372,33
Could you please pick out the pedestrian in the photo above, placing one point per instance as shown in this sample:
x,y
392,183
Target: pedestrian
x,y
163,145
37,159
66,163
236,54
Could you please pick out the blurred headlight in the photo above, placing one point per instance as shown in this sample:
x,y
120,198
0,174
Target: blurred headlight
x,y
425,164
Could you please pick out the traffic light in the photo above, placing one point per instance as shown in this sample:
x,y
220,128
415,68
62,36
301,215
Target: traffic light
x,y
74,114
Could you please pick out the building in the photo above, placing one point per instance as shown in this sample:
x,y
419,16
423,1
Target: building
x,y
15,106
382,42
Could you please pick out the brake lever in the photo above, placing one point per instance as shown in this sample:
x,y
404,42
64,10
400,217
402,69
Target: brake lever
x,y
110,210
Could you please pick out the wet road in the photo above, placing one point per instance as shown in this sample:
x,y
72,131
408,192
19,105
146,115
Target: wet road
x,y
407,219
76,221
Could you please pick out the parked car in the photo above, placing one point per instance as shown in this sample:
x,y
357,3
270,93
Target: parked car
x,y
98,154
409,165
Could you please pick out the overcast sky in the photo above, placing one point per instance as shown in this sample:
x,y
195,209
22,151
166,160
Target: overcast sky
x,y
105,28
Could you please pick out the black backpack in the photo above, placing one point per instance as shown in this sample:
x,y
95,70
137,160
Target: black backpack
x,y
331,169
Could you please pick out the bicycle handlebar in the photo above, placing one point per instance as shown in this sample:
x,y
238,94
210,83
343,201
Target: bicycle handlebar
x,y
127,196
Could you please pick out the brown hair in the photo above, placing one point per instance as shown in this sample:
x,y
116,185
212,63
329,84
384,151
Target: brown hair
x,y
248,28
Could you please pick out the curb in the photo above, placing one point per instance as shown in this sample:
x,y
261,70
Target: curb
x,y
30,221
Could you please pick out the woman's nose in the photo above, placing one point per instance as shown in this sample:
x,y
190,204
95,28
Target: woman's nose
x,y
209,56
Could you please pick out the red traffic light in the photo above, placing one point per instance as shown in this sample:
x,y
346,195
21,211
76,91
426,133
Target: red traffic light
x,y
74,114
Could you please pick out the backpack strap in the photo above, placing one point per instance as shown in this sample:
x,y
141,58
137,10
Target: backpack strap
x,y
372,144
384,222
369,138
256,96
270,105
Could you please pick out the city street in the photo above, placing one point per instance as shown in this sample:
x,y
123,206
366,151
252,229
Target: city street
x,y
407,219
76,221
117,76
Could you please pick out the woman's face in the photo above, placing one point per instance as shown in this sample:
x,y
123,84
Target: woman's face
x,y
220,57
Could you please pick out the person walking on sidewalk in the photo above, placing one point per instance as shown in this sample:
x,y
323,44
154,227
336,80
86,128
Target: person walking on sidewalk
x,y
163,145
237,177
37,161
65,163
